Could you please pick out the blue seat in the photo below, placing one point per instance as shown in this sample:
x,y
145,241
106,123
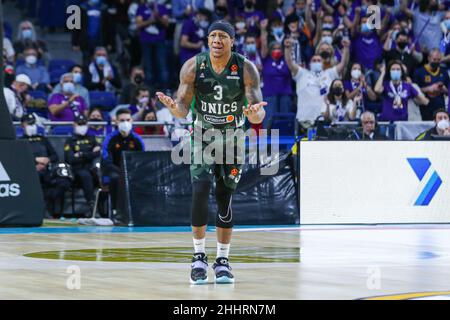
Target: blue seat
x,y
102,99
20,132
62,131
61,65
38,94
55,76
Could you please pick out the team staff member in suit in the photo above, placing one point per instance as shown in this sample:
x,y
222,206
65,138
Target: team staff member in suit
x,y
122,139
80,151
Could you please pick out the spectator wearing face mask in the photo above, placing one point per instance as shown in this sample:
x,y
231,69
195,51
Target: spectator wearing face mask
x,y
150,116
80,90
313,84
102,75
326,51
276,31
357,89
95,115
193,35
26,38
250,51
80,151
137,78
441,128
366,44
301,48
401,52
396,92
66,106
433,80
45,156
120,140
241,32
40,79
324,29
222,12
16,96
337,106
142,104
277,79
279,13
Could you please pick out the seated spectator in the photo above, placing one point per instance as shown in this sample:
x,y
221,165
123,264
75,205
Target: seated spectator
x,y
193,35
66,106
433,80
441,128
150,116
141,104
137,78
396,93
368,130
27,38
16,96
95,115
53,185
337,106
313,84
40,79
356,87
102,75
122,139
277,79
80,151
80,90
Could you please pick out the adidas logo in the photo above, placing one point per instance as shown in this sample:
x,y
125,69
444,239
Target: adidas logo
x,y
7,189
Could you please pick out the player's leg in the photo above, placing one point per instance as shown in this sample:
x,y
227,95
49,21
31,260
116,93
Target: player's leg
x,y
224,226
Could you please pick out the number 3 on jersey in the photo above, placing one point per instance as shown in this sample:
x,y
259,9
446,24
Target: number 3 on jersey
x,y
219,92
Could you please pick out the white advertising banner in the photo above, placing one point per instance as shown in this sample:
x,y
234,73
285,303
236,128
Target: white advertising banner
x,y
374,182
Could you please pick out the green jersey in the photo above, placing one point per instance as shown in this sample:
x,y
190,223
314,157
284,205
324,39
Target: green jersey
x,y
219,98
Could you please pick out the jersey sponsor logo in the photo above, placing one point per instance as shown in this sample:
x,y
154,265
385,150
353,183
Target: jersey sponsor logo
x,y
7,189
233,77
218,120
218,108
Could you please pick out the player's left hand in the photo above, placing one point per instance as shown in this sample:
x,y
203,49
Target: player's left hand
x,y
253,109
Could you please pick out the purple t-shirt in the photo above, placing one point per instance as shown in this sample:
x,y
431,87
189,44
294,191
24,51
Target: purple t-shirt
x,y
406,92
350,86
153,32
366,48
68,114
250,18
277,77
194,34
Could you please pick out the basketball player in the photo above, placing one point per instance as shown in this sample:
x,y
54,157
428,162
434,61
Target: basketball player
x,y
223,88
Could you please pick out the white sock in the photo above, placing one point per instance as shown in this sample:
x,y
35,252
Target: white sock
x,y
222,250
199,245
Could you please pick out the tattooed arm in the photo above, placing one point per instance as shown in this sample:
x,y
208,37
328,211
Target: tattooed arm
x,y
181,105
254,110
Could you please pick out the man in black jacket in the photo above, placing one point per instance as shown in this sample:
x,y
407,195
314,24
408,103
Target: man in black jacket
x,y
441,129
368,130
80,151
46,159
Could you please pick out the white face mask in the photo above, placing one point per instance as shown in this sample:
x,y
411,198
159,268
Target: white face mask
x,y
356,73
316,67
125,127
443,125
143,101
81,130
327,39
30,59
31,130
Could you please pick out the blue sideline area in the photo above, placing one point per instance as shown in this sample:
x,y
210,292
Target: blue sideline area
x,y
89,229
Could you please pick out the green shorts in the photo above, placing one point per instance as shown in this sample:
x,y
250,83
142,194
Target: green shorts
x,y
207,163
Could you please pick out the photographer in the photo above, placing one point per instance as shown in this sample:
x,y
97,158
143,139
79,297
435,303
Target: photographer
x,y
80,151
66,106
53,182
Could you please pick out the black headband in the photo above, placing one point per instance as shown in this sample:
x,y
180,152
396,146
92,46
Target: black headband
x,y
222,26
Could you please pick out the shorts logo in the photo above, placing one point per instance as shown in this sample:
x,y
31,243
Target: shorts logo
x,y
218,120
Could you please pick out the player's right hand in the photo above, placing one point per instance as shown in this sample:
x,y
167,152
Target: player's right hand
x,y
167,101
